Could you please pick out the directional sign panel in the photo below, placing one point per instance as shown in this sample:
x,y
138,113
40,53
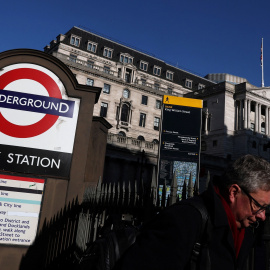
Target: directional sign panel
x,y
20,201
37,121
179,141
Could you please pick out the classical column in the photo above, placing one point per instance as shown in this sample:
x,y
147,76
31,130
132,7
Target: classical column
x,y
236,114
248,113
266,121
241,115
259,117
256,117
245,114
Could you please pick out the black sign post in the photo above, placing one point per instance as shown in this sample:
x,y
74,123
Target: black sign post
x,y
179,152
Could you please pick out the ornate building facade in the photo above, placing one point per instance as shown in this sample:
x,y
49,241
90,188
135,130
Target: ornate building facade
x,y
133,84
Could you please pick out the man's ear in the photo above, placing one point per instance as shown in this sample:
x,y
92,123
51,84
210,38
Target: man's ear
x,y
234,190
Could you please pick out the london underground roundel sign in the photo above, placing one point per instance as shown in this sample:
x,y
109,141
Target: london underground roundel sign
x,y
37,120
26,131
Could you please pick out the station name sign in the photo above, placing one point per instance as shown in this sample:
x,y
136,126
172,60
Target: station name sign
x,y
37,121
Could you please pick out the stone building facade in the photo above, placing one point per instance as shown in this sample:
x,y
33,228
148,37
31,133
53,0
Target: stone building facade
x,y
235,120
133,84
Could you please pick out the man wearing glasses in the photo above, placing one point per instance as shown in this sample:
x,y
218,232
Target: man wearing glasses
x,y
236,204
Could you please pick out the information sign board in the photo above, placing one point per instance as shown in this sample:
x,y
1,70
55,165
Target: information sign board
x,y
20,202
179,151
37,121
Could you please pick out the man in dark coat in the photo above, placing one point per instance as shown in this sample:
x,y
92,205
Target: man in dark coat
x,y
235,204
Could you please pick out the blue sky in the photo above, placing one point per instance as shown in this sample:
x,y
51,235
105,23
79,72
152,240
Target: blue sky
x,y
200,36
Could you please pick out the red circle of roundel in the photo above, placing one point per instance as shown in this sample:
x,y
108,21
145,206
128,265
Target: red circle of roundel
x,y
47,121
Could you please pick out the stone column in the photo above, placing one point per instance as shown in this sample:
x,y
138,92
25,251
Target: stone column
x,y
248,113
245,114
241,115
259,117
266,121
236,115
256,117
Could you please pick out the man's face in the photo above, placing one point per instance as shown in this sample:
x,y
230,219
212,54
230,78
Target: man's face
x,y
246,207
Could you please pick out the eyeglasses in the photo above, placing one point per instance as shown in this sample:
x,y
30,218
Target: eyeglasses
x,y
258,207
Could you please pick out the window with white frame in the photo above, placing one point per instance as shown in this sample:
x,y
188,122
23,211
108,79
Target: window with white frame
x,y
103,109
107,52
156,86
201,86
126,93
142,120
158,104
126,59
92,46
188,83
144,100
106,88
143,65
90,64
75,41
89,82
156,123
169,75
143,82
170,90
73,58
107,69
157,70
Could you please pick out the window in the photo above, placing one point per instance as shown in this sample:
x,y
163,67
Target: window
x,y
144,100
140,138
188,83
103,109
106,88
170,90
252,126
122,134
143,65
201,86
156,86
91,46
254,144
156,123
107,69
215,143
73,58
205,104
75,41
126,59
107,52
124,113
142,119
157,70
169,75
143,82
126,93
90,64
89,82
158,104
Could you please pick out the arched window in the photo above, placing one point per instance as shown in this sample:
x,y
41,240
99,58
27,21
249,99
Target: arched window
x,y
124,113
254,144
122,134
140,138
155,141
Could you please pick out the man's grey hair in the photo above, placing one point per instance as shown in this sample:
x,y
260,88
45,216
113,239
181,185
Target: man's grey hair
x,y
250,172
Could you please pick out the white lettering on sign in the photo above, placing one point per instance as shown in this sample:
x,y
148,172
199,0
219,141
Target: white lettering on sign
x,y
33,160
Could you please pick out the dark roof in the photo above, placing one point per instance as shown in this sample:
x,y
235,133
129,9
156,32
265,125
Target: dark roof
x,y
179,76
